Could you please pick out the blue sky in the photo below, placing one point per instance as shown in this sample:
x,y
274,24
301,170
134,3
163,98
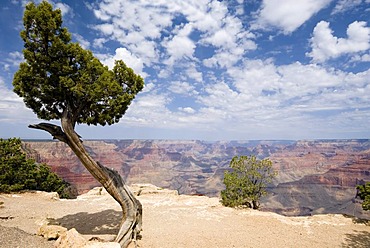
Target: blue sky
x,y
216,70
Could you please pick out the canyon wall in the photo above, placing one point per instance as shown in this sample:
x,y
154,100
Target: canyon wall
x,y
313,176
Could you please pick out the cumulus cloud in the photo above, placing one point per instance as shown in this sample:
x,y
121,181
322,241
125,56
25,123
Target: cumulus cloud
x,y
193,73
183,88
123,54
65,8
287,85
99,42
83,42
134,24
206,71
259,95
180,46
150,30
285,97
287,15
361,58
149,110
187,110
105,28
327,46
231,42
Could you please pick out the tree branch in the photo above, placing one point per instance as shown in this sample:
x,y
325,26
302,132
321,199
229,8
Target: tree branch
x,y
55,130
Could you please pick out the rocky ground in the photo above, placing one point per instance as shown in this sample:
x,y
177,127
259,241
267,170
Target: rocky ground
x,y
171,220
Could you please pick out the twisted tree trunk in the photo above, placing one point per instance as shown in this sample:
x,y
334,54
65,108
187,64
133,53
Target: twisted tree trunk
x,y
110,179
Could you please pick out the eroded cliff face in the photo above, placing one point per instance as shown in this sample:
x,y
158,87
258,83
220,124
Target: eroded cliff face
x,y
313,175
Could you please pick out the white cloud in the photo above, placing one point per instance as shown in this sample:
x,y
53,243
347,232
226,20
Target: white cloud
x,y
99,42
12,108
105,28
16,56
287,83
25,2
182,88
147,29
365,58
260,100
326,46
152,101
224,58
148,87
100,14
220,96
180,46
263,90
231,41
123,54
287,15
149,109
64,8
82,41
193,73
135,24
13,60
345,5
255,76
188,110
220,38
361,58
202,77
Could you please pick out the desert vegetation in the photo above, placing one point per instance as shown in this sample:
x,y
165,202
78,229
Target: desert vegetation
x,y
247,181
364,194
17,172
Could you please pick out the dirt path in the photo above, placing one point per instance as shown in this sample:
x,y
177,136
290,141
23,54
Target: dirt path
x,y
179,221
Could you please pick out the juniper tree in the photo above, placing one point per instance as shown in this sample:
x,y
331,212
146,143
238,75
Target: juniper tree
x,y
17,172
247,181
363,191
59,80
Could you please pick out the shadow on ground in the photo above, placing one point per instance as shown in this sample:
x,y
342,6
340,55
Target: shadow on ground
x,y
105,222
356,220
358,239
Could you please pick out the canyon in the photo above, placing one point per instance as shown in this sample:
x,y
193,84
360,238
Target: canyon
x,y
314,176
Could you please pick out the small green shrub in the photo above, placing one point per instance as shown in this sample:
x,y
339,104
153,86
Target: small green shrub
x,y
246,182
364,194
19,173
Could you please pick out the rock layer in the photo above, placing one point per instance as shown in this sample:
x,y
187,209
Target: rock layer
x,y
309,171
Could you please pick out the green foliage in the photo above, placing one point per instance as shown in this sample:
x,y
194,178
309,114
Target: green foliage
x,y
364,194
19,173
246,182
59,75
